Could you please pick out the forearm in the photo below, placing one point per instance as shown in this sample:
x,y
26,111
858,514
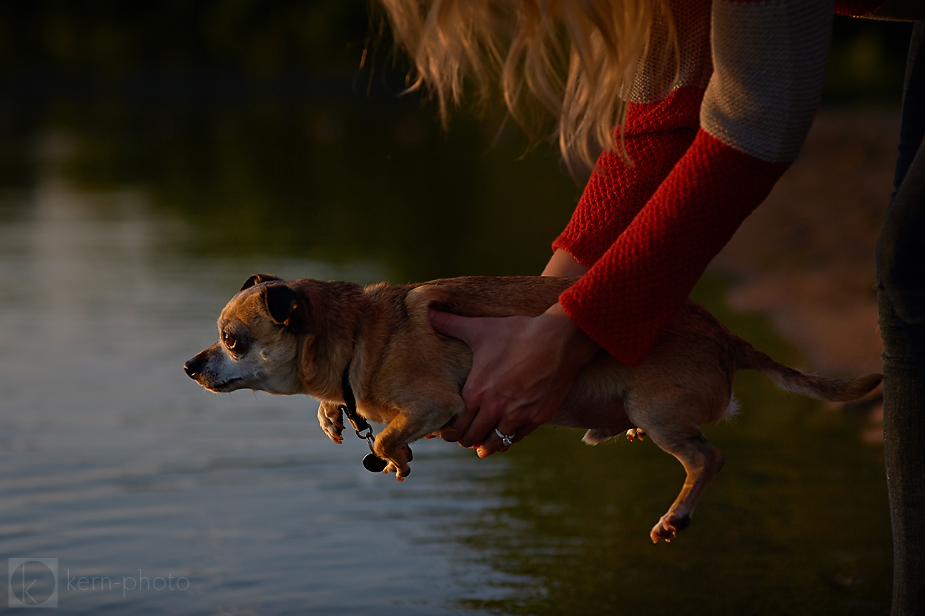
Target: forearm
x,y
564,264
759,104
630,294
656,135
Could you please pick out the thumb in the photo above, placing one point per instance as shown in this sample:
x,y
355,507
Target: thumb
x,y
452,325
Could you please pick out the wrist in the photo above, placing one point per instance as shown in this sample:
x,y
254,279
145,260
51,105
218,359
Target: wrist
x,y
576,343
563,263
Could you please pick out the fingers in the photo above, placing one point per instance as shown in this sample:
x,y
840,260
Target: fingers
x,y
477,432
451,325
476,428
512,384
459,327
495,443
457,427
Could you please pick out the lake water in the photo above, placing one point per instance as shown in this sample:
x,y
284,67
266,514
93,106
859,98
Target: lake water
x,y
156,497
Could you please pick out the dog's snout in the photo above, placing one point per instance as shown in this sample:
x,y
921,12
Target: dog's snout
x,y
193,367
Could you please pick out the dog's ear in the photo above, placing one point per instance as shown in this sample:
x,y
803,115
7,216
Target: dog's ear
x,y
284,306
257,279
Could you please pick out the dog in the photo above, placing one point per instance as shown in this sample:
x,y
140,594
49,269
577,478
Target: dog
x,y
322,338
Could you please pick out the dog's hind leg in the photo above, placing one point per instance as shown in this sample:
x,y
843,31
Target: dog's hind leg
x,y
701,461
596,436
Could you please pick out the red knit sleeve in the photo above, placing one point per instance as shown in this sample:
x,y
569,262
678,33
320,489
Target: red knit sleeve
x,y
768,66
656,136
627,298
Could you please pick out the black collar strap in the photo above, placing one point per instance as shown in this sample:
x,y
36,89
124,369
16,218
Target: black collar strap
x,y
371,462
349,407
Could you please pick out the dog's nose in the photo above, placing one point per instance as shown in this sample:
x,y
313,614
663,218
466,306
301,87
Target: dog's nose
x,y
193,367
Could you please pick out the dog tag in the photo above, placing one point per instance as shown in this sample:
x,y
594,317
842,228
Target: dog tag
x,y
373,463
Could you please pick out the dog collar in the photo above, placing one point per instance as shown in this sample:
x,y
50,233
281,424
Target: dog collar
x,y
371,461
350,402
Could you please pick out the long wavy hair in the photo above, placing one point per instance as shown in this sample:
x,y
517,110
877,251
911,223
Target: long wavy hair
x,y
569,58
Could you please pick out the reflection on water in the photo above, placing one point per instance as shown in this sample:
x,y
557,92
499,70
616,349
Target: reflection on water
x,y
339,181
114,463
118,466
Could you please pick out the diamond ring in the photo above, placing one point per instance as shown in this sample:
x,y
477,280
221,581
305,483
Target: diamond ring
x,y
506,439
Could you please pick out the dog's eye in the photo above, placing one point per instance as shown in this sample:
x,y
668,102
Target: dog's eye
x,y
229,341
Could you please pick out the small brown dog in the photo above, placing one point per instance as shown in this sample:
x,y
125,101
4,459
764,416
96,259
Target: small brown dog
x,y
310,336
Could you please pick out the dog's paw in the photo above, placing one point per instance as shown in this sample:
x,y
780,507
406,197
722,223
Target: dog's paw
x,y
331,420
668,527
399,473
635,433
399,463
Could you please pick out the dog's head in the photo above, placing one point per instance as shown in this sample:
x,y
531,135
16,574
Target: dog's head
x,y
259,334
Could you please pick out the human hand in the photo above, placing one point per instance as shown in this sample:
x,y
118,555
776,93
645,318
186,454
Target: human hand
x,y
522,370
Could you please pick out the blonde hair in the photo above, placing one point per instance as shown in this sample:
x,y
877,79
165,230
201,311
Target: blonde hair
x,y
575,58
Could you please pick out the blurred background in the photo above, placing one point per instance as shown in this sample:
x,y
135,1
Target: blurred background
x,y
154,155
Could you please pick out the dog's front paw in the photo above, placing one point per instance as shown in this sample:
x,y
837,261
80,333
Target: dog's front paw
x,y
399,473
331,420
669,526
400,466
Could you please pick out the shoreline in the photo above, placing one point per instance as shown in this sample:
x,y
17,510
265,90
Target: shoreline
x,y
806,257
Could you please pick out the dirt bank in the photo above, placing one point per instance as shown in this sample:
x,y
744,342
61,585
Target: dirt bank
x,y
806,256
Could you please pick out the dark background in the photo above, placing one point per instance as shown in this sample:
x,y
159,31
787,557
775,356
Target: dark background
x,y
154,155
252,119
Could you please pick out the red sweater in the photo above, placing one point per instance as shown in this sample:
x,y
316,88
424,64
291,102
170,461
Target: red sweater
x,y
707,149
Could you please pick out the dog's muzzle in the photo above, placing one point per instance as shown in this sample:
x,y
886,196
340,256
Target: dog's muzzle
x,y
193,367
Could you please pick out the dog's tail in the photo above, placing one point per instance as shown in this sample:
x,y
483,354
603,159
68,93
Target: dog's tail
x,y
821,388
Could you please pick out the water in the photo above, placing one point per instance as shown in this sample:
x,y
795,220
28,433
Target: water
x,y
157,497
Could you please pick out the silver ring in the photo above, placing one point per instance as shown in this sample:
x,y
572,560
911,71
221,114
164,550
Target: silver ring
x,y
505,438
